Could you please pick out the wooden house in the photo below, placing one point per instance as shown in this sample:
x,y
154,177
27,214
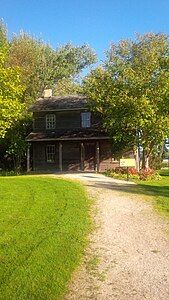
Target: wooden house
x,y
67,137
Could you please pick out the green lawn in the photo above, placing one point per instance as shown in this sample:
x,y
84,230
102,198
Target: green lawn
x,y
159,189
44,224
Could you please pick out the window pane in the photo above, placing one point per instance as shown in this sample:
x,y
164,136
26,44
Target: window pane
x,y
50,121
50,153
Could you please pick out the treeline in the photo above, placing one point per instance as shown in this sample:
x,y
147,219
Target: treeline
x,y
130,90
28,66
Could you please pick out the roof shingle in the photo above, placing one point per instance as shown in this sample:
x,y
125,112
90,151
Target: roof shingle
x,y
59,103
67,135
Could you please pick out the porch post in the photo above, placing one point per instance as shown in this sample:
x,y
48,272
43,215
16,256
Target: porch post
x,y
28,157
82,156
60,156
97,156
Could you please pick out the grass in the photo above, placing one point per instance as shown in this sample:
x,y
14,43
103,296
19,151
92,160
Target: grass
x,y
158,189
44,224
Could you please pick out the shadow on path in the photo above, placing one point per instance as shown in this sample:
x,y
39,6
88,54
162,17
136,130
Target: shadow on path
x,y
145,189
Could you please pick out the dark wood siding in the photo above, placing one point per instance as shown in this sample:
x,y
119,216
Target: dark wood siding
x,y
39,157
71,156
64,120
107,160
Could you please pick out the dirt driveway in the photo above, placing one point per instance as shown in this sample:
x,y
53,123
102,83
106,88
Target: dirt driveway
x,y
128,254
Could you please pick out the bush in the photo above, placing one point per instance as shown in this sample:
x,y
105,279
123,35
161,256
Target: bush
x,y
121,173
148,174
9,173
143,174
165,164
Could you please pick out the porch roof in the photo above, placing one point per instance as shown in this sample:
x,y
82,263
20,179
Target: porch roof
x,y
67,135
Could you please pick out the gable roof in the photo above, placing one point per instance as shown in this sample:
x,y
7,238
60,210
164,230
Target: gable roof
x,y
69,102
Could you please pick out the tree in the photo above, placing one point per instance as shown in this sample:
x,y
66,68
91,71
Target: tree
x,y
11,89
66,86
28,66
131,91
42,66
15,145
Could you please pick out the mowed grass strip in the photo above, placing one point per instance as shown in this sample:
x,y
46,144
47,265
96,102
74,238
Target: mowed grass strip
x,y
44,224
159,189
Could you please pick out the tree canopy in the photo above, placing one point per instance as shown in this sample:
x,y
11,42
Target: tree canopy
x,y
131,91
11,89
28,66
42,66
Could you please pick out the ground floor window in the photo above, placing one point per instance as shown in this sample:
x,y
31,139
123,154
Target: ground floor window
x,y
50,153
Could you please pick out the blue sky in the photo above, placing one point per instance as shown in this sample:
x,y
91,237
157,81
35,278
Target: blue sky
x,y
96,22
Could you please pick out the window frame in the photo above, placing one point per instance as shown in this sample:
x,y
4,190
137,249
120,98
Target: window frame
x,y
50,121
86,119
50,155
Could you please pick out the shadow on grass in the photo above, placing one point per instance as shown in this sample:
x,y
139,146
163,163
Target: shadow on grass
x,y
164,172
140,188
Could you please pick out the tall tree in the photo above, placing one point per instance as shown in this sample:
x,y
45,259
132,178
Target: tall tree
x,y
67,86
131,90
11,89
28,66
42,66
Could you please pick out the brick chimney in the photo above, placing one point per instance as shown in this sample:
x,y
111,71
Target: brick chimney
x,y
47,93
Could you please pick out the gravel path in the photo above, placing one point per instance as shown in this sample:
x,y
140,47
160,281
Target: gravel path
x,y
128,254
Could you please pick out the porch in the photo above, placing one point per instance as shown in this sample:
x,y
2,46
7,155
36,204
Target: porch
x,y
63,156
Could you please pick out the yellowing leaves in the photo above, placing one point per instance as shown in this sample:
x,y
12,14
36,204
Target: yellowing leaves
x,y
11,91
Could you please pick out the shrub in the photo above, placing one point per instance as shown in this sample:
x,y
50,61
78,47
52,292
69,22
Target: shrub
x,y
148,174
9,173
132,171
143,174
121,173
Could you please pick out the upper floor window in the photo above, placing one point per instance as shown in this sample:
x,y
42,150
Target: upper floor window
x,y
86,119
50,121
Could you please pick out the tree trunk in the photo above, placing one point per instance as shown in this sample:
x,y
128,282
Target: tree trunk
x,y
137,158
145,160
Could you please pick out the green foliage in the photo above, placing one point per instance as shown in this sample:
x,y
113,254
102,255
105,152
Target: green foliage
x,y
131,91
11,89
28,66
155,190
67,86
159,189
4,45
44,223
15,146
164,172
42,66
143,174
